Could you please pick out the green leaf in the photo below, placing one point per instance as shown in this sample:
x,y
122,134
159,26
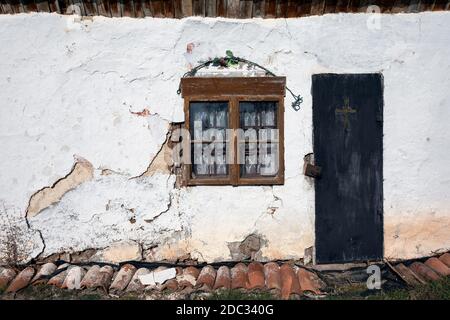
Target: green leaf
x,y
232,63
229,53
216,62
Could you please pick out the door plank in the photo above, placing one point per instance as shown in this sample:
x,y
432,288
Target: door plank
x,y
304,8
246,8
233,7
258,8
270,10
186,8
282,6
198,8
211,8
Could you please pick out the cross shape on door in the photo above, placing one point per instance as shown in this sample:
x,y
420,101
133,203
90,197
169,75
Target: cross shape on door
x,y
345,111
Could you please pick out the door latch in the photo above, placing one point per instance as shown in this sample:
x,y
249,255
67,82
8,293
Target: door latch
x,y
312,171
309,168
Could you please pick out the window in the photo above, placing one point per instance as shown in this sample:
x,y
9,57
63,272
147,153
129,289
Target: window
x,y
235,128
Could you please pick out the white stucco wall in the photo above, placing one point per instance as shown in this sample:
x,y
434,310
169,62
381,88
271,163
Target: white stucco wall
x,y
67,90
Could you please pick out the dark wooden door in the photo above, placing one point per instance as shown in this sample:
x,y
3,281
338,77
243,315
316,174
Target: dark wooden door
x,y
348,145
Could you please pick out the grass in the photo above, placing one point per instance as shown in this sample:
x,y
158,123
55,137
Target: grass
x,y
44,292
436,290
240,295
130,296
91,296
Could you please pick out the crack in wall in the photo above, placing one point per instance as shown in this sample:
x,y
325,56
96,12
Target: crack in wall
x,y
81,172
274,205
44,245
169,204
39,232
160,161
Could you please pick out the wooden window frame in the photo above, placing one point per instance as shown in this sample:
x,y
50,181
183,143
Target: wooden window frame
x,y
234,90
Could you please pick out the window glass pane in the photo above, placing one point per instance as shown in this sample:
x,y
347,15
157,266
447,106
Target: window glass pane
x,y
258,139
258,114
208,122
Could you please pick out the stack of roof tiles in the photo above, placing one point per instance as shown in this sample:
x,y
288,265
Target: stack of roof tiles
x,y
284,280
420,273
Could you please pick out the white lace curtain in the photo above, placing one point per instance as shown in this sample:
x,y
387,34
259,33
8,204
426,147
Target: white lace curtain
x,y
258,147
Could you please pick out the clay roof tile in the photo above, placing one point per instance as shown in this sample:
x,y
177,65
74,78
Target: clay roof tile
x,y
408,275
45,271
188,278
445,258
424,271
256,278
239,276
107,273
223,278
171,285
97,277
206,278
135,283
58,279
438,266
272,275
192,271
6,276
21,280
289,281
123,278
309,281
73,278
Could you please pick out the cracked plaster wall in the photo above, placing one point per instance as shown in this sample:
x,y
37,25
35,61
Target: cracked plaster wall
x,y
76,89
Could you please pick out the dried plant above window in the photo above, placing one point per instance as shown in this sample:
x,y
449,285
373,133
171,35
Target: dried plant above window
x,y
229,60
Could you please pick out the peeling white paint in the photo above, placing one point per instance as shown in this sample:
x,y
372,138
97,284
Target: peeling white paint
x,y
69,90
